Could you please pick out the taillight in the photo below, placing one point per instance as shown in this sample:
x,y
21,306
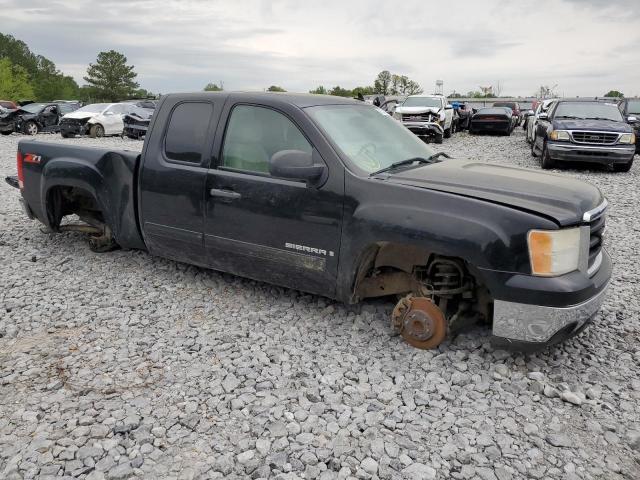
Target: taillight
x,y
19,162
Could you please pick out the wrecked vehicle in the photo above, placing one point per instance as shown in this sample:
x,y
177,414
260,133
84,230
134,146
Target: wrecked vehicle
x,y
333,197
584,130
630,109
429,117
8,105
96,120
136,123
33,118
492,120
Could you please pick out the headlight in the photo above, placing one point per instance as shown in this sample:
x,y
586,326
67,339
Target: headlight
x,y
559,135
627,138
554,252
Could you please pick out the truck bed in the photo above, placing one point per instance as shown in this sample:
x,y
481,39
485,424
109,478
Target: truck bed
x,y
55,173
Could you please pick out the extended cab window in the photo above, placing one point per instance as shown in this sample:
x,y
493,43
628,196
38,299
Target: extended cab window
x,y
187,131
254,134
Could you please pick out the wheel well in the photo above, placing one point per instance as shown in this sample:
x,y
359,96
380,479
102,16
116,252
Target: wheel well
x,y
65,200
399,269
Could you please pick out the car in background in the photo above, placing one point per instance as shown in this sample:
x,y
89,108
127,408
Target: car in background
x,y
136,122
492,120
584,130
96,120
430,117
33,118
8,105
542,107
630,108
515,109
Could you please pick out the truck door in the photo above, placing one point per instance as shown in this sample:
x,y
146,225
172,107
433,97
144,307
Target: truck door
x,y
278,230
173,179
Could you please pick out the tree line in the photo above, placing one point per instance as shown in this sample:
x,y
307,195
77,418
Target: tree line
x,y
385,83
25,75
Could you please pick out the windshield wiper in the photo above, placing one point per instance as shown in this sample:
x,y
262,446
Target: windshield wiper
x,y
438,155
599,118
408,161
569,117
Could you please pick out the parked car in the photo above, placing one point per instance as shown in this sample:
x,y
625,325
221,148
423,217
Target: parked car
x,y
630,108
8,104
542,107
584,131
430,117
515,109
464,115
136,122
493,120
96,120
526,115
326,195
33,118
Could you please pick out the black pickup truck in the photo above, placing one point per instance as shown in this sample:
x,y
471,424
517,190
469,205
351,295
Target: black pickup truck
x,y
332,196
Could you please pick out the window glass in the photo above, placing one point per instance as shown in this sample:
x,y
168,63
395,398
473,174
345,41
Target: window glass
x,y
588,111
187,131
254,134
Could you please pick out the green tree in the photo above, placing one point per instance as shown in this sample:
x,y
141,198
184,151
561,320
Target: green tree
x,y
382,83
340,92
614,93
213,87
368,90
14,81
319,90
275,88
112,78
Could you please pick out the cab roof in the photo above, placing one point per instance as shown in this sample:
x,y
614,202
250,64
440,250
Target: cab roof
x,y
300,100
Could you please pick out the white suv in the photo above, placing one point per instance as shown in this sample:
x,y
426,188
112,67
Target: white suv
x,y
428,116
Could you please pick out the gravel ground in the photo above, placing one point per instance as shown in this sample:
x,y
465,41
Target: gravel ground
x,y
124,365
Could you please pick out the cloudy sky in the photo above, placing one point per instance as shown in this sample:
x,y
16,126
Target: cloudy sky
x,y
585,47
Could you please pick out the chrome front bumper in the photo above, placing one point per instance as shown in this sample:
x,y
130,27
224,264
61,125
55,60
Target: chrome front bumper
x,y
520,322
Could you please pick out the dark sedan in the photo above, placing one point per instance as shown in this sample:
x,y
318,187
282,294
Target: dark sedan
x,y
515,110
492,119
584,131
35,117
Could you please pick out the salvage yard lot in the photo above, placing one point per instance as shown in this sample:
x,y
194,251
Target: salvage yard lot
x,y
124,365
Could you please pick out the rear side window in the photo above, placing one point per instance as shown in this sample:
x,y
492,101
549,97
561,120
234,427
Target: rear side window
x,y
187,131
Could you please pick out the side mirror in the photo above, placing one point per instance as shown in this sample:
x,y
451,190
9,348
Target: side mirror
x,y
543,116
295,164
448,107
632,119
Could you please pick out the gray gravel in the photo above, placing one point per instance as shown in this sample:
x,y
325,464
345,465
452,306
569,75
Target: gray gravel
x,y
123,365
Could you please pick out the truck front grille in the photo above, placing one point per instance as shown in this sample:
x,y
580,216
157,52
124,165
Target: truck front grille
x,y
416,117
595,138
596,233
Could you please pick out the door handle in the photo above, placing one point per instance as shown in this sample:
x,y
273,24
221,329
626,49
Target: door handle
x,y
228,194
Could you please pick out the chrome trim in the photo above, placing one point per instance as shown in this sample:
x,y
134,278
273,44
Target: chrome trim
x,y
571,132
575,146
538,323
596,265
595,212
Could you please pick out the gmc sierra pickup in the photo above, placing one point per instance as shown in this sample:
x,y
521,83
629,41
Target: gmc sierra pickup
x,y
332,196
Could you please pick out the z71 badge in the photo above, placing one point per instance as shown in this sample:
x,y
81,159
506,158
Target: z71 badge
x,y
304,248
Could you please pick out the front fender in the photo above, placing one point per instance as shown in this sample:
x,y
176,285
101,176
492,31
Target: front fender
x,y
486,235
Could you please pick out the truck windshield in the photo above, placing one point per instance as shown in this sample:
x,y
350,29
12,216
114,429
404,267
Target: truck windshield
x,y
588,110
368,138
422,102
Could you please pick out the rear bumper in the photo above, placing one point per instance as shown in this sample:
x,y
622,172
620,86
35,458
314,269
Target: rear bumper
x,y
571,152
533,312
490,126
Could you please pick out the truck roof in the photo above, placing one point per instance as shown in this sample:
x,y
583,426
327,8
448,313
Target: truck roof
x,y
301,100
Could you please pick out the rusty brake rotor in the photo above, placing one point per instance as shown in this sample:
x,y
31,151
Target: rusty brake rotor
x,y
420,322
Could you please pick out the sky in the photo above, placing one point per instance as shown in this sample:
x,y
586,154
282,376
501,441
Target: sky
x,y
585,47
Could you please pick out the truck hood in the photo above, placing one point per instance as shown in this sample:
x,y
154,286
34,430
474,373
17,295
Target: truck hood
x,y
593,125
560,198
416,110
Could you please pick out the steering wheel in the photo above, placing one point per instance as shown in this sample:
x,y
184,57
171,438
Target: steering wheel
x,y
367,148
